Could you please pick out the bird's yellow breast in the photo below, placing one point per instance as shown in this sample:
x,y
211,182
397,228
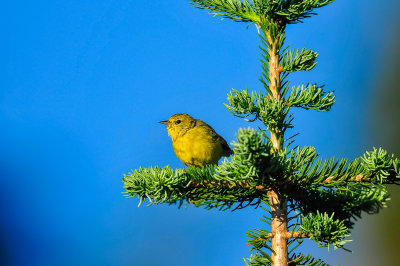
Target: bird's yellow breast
x,y
197,148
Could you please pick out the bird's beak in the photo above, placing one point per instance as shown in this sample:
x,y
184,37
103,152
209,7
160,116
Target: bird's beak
x,y
164,122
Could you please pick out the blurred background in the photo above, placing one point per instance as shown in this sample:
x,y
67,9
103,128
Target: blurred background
x,y
84,83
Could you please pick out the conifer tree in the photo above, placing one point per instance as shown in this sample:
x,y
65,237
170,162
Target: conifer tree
x,y
303,195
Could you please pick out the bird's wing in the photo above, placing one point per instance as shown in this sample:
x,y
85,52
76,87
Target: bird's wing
x,y
216,137
227,150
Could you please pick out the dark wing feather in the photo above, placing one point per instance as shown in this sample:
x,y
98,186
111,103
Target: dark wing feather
x,y
216,137
225,146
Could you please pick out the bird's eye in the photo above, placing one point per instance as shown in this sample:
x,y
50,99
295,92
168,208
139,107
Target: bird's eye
x,y
178,121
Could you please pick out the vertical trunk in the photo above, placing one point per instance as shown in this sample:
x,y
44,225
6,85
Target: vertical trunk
x,y
278,204
275,73
279,229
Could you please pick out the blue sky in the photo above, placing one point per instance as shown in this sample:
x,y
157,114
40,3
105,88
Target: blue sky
x,y
84,84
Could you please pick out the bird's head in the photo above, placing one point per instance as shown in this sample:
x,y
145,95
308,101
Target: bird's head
x,y
179,124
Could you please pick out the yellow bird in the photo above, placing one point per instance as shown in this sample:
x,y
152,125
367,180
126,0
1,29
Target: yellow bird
x,y
195,143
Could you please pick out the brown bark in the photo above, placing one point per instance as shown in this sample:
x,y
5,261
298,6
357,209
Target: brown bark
x,y
357,178
288,235
279,225
279,229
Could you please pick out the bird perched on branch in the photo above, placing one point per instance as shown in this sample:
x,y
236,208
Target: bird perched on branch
x,y
195,143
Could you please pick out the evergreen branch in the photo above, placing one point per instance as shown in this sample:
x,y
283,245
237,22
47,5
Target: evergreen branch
x,y
346,202
259,241
296,10
251,159
259,238
295,60
260,259
375,167
254,168
164,185
381,167
272,113
325,230
284,11
242,104
311,96
298,158
239,11
305,260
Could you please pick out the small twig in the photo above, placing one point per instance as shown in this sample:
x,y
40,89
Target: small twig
x,y
357,178
288,235
295,259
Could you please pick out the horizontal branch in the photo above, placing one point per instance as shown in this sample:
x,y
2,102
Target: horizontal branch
x,y
297,234
262,188
374,167
288,235
358,178
214,184
311,96
254,171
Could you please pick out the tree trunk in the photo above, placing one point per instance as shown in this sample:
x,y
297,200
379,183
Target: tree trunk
x,y
279,229
278,204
